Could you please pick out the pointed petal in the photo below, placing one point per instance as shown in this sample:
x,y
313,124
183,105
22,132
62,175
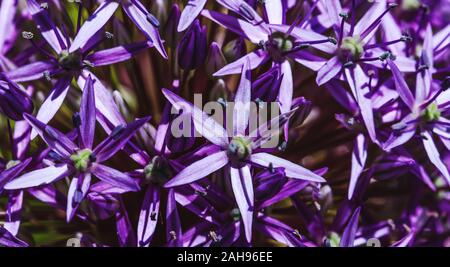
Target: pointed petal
x,y
241,182
49,31
329,70
190,12
434,156
11,173
286,88
138,14
292,170
255,33
203,123
256,58
114,177
359,157
348,237
116,141
104,101
78,189
32,71
94,23
199,169
53,102
241,110
173,224
87,114
274,11
117,54
148,216
357,80
401,86
38,177
54,138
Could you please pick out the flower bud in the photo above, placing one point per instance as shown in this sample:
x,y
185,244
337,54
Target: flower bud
x,y
192,47
170,29
267,86
14,102
216,59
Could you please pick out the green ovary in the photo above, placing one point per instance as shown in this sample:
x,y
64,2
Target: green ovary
x,y
352,46
81,159
157,171
239,149
410,4
432,112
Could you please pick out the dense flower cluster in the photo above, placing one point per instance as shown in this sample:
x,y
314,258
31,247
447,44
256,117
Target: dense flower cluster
x,y
89,90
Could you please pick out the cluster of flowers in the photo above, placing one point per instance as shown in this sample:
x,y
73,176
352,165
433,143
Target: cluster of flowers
x,y
365,115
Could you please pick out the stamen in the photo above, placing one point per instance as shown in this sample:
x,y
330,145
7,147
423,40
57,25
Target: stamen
x,y
344,17
404,38
352,24
30,36
348,64
308,15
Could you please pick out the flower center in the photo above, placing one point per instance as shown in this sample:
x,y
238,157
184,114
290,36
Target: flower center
x,y
351,48
239,149
431,113
278,45
410,4
157,171
70,61
82,159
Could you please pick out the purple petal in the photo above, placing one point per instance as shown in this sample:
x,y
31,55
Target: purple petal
x,y
117,54
329,70
241,111
274,10
138,14
87,114
116,141
95,22
286,88
12,222
7,12
104,101
292,170
401,86
49,31
53,102
434,156
357,80
114,177
54,138
203,123
255,33
38,177
148,216
8,174
125,231
78,189
359,157
173,224
199,169
256,58
348,237
241,182
9,240
32,71
190,12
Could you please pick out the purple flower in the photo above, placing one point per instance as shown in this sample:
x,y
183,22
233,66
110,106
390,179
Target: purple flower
x,y
239,153
80,160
